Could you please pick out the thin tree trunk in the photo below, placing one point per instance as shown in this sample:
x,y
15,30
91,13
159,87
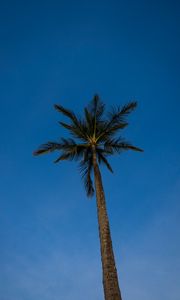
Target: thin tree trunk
x,y
110,277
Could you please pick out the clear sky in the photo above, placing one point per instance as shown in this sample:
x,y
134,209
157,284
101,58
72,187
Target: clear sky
x,y
64,52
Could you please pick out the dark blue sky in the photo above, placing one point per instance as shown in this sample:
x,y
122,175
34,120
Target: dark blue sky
x,y
64,52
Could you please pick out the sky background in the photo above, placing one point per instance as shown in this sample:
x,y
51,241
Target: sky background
x,y
65,52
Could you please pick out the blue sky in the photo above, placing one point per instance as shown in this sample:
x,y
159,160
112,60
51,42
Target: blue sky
x,y
64,52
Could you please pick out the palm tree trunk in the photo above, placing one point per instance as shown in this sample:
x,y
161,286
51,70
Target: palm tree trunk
x,y
110,277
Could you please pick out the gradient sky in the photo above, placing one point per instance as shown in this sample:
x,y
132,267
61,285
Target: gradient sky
x,y
64,52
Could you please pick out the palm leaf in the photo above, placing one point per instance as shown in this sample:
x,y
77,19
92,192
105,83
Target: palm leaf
x,y
105,130
68,113
78,127
116,121
47,148
102,159
119,114
64,156
118,145
67,126
89,121
85,170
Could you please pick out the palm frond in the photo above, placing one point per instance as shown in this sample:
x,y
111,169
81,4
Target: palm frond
x,y
119,145
67,126
89,121
96,107
119,114
134,148
93,114
64,156
47,148
116,120
102,159
85,167
105,130
66,112
78,127
71,150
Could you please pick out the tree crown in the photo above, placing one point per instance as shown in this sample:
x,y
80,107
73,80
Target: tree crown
x,y
93,132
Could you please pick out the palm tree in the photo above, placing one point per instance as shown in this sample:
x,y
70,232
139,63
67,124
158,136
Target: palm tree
x,y
95,138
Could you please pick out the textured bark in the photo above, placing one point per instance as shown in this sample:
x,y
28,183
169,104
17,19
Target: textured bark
x,y
110,277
